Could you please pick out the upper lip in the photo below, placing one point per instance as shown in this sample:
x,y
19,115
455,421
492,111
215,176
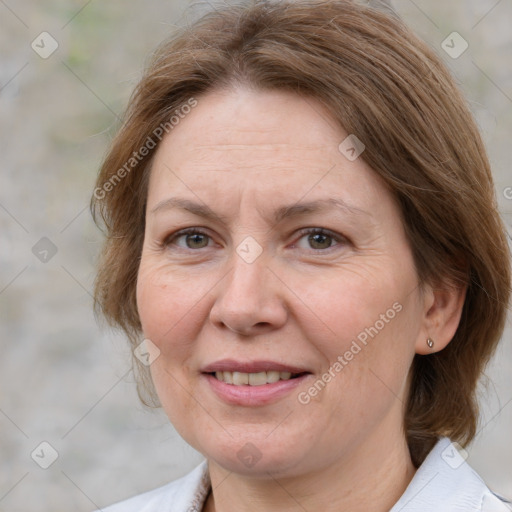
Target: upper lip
x,y
230,365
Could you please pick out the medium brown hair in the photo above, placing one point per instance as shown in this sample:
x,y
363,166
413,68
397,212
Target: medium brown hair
x,y
390,89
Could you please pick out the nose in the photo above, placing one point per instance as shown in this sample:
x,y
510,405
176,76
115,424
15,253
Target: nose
x,y
250,299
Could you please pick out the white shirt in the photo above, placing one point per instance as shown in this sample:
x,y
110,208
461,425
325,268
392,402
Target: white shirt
x,y
443,483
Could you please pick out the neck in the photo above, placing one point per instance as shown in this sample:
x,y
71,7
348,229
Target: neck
x,y
371,479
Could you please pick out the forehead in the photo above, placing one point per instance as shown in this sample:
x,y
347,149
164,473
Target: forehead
x,y
242,119
270,144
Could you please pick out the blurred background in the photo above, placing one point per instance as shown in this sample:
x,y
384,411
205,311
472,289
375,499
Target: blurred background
x,y
66,71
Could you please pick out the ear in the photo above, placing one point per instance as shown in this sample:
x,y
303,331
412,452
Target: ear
x,y
442,309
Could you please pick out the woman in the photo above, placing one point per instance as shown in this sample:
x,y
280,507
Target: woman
x,y
301,225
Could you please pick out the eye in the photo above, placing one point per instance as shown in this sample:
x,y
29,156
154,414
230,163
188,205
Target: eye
x,y
320,239
192,238
317,239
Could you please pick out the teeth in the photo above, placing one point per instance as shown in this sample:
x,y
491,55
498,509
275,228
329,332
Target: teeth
x,y
257,379
273,377
252,379
240,378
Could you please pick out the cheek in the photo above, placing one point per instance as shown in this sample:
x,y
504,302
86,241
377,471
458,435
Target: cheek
x,y
167,305
351,300
366,318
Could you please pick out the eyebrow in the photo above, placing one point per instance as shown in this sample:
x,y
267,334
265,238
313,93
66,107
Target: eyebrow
x,y
284,212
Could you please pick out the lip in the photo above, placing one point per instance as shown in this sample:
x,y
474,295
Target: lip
x,y
252,396
231,365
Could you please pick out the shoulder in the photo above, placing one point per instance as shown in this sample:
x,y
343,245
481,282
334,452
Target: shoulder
x,y
445,482
178,496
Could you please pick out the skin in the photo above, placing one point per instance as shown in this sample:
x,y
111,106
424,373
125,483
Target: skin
x,y
244,154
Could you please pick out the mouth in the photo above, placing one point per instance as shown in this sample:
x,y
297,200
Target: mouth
x,y
254,379
253,384
252,373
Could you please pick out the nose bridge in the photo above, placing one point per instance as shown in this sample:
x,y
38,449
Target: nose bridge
x,y
248,283
249,297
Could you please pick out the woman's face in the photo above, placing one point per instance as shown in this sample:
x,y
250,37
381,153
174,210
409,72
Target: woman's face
x,y
295,260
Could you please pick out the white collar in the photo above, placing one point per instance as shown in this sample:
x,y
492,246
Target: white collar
x,y
443,483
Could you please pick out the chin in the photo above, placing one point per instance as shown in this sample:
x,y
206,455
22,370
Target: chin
x,y
253,455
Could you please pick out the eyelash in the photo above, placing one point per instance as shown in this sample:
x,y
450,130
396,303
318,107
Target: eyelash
x,y
340,240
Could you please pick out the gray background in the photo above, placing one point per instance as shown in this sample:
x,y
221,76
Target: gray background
x,y
65,380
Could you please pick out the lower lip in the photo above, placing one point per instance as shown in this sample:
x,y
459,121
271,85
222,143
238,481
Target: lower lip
x,y
254,395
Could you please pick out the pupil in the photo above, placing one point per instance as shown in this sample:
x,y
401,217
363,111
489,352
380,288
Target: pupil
x,y
193,241
320,239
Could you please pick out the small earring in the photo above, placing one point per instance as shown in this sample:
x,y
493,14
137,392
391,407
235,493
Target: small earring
x,y
430,342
